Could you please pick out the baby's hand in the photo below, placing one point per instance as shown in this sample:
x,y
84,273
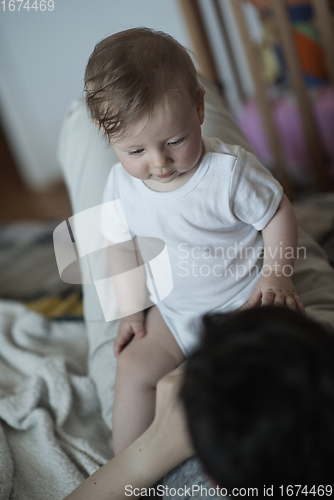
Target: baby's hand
x,y
129,326
276,290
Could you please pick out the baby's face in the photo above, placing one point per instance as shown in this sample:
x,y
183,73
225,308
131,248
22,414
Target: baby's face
x,y
166,146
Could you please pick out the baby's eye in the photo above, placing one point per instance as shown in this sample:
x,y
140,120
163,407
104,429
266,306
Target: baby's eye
x,y
137,152
176,142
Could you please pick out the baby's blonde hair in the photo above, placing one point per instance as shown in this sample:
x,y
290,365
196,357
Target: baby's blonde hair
x,y
129,74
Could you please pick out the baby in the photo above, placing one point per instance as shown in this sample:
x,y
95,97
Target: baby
x,y
229,230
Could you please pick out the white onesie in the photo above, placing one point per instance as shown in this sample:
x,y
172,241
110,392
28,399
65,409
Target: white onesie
x,y
211,226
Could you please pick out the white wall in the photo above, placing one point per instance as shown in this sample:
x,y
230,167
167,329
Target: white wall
x,y
42,62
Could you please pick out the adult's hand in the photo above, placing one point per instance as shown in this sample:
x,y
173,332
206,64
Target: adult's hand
x,y
169,432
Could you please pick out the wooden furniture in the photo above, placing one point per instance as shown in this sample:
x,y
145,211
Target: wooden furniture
x,y
198,32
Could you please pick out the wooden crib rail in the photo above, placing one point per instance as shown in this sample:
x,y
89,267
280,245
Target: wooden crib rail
x,y
323,14
262,100
200,39
208,66
311,131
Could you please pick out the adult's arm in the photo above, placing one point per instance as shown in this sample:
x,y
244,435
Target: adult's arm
x,y
161,448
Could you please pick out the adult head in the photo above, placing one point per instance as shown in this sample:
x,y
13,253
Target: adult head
x,y
259,399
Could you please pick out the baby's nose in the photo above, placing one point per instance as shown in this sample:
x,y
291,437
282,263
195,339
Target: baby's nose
x,y
160,161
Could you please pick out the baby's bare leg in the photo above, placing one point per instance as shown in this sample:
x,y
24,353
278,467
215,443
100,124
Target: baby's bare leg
x,y
139,367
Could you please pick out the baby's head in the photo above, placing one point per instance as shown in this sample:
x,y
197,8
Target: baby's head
x,y
142,90
129,74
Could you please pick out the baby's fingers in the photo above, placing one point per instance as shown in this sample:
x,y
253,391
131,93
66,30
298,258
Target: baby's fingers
x,y
294,303
138,328
290,302
123,338
268,298
254,298
279,299
299,305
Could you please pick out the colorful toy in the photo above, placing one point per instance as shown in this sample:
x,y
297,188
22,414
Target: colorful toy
x,y
307,39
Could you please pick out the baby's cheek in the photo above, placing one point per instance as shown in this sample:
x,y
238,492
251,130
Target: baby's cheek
x,y
191,158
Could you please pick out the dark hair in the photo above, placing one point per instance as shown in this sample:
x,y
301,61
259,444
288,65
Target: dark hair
x,y
259,399
131,72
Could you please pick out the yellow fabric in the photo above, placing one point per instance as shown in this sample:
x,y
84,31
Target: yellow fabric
x,y
57,306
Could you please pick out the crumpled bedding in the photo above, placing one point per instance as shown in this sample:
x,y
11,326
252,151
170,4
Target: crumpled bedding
x,y
51,433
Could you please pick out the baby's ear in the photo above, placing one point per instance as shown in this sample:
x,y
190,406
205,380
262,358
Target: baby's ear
x,y
201,93
102,130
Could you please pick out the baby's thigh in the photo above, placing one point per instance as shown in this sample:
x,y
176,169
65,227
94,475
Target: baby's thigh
x,y
149,358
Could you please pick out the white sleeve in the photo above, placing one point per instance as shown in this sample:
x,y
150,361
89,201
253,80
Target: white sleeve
x,y
113,221
254,193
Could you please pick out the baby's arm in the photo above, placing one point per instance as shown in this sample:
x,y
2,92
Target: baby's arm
x,y
130,290
280,239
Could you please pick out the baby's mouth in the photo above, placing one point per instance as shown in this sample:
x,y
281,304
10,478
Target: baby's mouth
x,y
165,175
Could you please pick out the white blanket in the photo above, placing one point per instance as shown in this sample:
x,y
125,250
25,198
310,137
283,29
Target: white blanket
x,y
51,432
